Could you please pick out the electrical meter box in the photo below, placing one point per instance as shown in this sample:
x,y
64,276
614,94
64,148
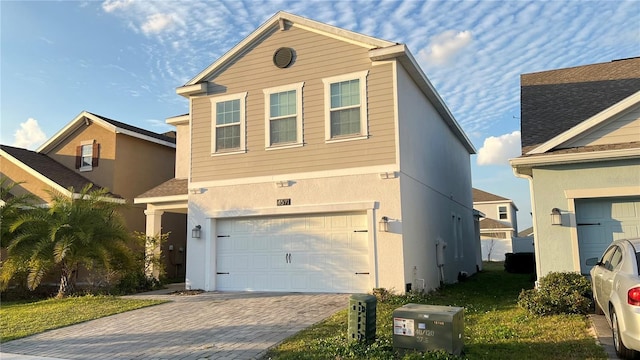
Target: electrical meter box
x,y
428,327
362,317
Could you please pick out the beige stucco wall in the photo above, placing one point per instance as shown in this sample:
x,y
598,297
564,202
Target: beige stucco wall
x,y
31,184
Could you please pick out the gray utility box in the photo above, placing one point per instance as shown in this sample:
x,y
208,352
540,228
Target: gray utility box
x,y
428,327
362,317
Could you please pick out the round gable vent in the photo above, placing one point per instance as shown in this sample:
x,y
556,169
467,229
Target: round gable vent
x,y
283,57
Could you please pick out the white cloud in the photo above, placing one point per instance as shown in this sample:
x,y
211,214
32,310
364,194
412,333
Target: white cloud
x,y
29,135
446,45
156,23
498,150
112,5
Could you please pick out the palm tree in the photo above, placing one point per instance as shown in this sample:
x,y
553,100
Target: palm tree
x,y
11,206
85,230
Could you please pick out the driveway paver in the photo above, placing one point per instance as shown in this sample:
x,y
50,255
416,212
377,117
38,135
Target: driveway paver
x,y
204,326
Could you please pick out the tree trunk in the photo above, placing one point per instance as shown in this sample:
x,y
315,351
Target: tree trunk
x,y
66,285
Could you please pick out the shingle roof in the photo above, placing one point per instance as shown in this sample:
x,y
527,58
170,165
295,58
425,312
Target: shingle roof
x,y
553,102
170,187
491,224
50,168
526,232
480,196
136,129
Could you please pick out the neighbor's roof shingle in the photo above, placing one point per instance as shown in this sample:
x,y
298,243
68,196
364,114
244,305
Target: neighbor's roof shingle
x,y
553,102
136,129
168,188
480,196
50,168
491,224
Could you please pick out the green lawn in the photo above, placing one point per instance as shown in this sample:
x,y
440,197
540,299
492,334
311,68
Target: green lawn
x,y
495,327
20,319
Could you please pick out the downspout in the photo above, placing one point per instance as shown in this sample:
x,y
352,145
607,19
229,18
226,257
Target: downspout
x,y
536,243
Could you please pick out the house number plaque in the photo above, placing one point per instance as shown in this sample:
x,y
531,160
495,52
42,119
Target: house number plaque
x,y
283,202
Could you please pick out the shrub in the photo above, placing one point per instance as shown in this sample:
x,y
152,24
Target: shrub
x,y
558,293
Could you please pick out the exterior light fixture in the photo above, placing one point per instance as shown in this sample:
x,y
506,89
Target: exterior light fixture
x,y
383,225
556,217
196,232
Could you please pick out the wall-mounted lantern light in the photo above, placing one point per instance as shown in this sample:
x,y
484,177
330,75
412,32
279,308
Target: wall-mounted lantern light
x,y
383,225
556,217
196,232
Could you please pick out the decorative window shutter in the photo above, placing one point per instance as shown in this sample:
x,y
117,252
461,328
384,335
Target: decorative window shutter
x,y
95,154
78,156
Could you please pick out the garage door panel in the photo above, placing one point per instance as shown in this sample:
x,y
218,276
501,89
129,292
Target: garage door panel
x,y
288,253
603,220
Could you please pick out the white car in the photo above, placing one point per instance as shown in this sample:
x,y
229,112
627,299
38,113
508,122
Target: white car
x,y
616,290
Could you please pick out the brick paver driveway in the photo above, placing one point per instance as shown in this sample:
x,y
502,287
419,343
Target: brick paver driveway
x,y
203,326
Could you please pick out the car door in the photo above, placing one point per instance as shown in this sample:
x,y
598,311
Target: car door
x,y
611,266
603,267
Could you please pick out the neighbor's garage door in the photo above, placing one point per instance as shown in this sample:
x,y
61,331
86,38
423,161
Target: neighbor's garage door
x,y
600,221
313,253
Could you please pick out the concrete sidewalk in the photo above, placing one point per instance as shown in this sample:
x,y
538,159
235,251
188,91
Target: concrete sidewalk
x,y
204,326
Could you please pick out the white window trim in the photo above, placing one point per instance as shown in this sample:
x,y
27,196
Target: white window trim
x,y
90,166
364,129
267,115
214,100
506,212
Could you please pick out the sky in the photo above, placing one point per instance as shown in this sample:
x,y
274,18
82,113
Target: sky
x,y
123,59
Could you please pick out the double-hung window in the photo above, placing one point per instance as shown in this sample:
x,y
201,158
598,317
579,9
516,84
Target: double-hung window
x,y
87,155
228,124
283,116
346,106
502,213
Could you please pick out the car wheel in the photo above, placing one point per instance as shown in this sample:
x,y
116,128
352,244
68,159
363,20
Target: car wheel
x,y
621,350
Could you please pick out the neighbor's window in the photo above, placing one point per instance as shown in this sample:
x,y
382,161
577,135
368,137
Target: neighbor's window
x,y
87,155
228,124
283,116
346,106
502,213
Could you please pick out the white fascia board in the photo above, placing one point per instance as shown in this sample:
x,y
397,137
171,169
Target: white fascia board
x,y
68,130
191,89
144,137
571,158
161,199
404,56
35,174
588,124
101,198
178,120
295,20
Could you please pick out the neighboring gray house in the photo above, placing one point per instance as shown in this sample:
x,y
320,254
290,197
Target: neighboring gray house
x,y
581,155
499,225
316,159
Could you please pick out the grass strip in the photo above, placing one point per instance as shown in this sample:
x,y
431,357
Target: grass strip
x,y
495,327
21,319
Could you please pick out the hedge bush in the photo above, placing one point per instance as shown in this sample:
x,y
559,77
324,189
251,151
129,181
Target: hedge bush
x,y
558,293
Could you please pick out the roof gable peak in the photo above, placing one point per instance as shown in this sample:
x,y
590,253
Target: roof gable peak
x,y
280,22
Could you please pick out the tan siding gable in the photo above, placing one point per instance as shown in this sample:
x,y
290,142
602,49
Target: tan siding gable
x,y
621,129
317,57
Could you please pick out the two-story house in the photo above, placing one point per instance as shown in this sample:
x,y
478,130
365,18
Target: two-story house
x,y
581,155
499,225
106,153
316,159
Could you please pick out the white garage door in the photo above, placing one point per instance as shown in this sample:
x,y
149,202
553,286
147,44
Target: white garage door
x,y
311,253
601,221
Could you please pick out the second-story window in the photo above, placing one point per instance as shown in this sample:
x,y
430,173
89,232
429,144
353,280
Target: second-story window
x,y
87,155
346,106
502,213
228,124
283,116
